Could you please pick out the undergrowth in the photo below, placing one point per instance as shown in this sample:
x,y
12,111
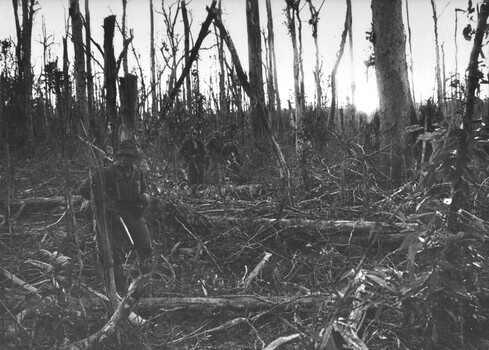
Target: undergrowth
x,y
423,289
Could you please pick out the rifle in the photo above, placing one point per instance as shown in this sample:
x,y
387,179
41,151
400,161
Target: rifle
x,y
126,231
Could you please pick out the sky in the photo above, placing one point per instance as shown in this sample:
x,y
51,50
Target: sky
x,y
54,15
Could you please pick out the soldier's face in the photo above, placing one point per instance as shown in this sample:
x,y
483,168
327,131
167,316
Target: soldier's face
x,y
125,160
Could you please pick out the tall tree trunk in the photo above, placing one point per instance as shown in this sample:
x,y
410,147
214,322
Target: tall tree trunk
x,y
396,108
46,89
439,88
124,35
23,53
65,117
170,51
188,78
473,68
291,10
339,56
444,78
352,57
255,65
27,20
4,133
456,51
110,80
80,73
411,64
224,105
274,61
128,91
271,87
95,124
154,100
317,69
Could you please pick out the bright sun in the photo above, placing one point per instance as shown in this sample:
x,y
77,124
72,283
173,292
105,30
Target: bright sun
x,y
367,99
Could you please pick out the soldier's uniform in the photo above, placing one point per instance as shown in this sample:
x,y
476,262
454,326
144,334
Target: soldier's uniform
x,y
214,149
193,152
126,198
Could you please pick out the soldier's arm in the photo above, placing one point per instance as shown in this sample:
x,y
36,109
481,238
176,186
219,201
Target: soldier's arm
x,y
144,189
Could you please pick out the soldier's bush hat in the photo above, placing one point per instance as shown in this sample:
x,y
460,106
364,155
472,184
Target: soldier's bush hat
x,y
128,147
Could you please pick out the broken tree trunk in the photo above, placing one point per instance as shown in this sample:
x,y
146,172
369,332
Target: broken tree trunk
x,y
322,226
236,302
38,202
334,231
473,68
122,312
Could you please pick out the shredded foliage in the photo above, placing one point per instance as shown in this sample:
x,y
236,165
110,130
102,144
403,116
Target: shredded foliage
x,y
404,282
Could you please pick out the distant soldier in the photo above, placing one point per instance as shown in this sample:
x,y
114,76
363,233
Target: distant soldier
x,y
126,199
193,152
230,156
214,149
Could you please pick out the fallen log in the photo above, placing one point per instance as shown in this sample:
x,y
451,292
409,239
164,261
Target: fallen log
x,y
39,202
123,310
236,302
329,227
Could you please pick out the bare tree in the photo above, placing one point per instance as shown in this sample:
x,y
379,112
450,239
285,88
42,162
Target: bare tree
x,y
292,10
439,82
255,64
110,79
124,35
395,104
23,53
473,74
186,41
460,186
80,73
152,57
170,47
88,38
47,91
353,83
284,171
339,56
128,91
270,54
409,36
317,69
274,94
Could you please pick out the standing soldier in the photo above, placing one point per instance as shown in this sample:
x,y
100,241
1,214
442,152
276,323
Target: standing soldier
x,y
214,148
193,152
126,199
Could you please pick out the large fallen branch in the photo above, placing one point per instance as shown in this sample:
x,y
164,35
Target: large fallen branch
x,y
133,318
236,302
39,202
328,227
122,312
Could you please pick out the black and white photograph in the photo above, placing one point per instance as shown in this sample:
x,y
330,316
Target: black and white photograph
x,y
244,174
